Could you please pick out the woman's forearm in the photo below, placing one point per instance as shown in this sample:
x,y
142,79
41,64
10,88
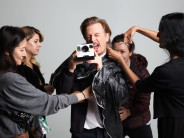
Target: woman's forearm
x,y
130,74
149,33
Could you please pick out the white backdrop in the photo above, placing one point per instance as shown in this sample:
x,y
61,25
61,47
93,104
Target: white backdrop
x,y
59,21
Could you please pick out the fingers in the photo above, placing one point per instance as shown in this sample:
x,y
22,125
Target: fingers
x,y
122,107
95,53
97,62
127,37
78,62
114,55
122,117
123,113
73,61
73,56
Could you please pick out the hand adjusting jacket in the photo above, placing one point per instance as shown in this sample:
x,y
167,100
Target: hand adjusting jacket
x,y
109,88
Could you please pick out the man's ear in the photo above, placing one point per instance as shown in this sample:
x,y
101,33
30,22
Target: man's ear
x,y
7,53
107,37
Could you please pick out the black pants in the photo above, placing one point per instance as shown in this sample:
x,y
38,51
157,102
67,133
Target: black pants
x,y
141,132
94,133
170,128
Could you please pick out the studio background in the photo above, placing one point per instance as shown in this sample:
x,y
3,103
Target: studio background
x,y
59,21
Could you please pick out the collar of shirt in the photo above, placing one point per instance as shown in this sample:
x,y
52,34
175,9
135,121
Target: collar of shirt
x,y
103,55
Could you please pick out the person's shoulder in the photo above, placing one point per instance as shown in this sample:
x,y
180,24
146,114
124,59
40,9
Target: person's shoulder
x,y
165,67
138,64
24,69
173,64
35,66
164,70
138,61
11,76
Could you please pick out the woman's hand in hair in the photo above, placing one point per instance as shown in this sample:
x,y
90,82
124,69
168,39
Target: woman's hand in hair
x,y
128,36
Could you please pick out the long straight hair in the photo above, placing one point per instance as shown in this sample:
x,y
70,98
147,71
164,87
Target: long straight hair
x,y
171,30
29,32
10,38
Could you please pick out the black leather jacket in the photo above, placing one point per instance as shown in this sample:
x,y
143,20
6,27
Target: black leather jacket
x,y
111,92
109,88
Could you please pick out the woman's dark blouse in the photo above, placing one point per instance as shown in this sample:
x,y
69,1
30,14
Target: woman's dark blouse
x,y
167,83
32,76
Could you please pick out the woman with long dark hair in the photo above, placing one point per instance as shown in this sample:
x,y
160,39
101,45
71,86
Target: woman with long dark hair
x,y
167,80
19,100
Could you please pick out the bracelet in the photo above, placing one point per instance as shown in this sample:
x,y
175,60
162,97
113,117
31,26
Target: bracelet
x,y
84,95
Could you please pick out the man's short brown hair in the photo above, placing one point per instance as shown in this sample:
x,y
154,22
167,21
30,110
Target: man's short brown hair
x,y
92,20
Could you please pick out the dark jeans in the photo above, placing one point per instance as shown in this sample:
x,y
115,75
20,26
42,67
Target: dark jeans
x,y
94,133
141,132
170,127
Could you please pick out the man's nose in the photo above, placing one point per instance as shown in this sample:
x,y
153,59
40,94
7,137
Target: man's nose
x,y
93,38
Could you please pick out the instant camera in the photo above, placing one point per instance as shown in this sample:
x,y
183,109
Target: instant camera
x,y
86,52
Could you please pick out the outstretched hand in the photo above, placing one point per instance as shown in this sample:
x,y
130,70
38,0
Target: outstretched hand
x,y
49,89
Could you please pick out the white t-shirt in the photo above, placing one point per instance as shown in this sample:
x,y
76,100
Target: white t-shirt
x,y
93,118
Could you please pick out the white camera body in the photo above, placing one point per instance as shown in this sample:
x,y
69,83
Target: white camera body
x,y
86,52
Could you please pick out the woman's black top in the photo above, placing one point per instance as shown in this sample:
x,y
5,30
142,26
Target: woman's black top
x,y
167,83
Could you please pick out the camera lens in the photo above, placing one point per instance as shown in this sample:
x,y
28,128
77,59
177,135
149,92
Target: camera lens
x,y
85,49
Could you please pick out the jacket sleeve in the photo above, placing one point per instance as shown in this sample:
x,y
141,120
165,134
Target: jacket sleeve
x,y
156,82
64,82
22,96
62,79
142,100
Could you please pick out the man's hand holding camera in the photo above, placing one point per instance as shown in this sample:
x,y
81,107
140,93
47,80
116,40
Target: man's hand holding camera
x,y
73,62
97,61
84,53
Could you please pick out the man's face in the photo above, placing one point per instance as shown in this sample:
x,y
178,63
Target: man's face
x,y
95,34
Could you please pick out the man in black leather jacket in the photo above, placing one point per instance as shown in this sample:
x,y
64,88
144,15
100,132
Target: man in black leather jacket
x,y
98,115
